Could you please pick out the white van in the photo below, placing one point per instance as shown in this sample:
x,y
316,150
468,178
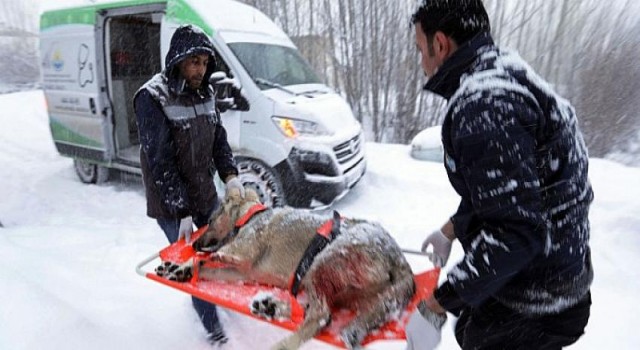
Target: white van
x,y
299,144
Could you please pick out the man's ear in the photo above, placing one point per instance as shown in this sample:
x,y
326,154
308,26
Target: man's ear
x,y
443,45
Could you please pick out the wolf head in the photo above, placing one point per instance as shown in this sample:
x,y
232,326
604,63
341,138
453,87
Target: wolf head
x,y
223,220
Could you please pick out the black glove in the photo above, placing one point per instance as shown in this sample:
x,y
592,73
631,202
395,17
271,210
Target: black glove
x,y
228,93
241,101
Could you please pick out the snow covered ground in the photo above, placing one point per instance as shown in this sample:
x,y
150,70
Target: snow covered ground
x,y
68,250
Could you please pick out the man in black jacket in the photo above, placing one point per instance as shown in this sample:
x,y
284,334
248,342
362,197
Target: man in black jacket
x,y
515,155
183,143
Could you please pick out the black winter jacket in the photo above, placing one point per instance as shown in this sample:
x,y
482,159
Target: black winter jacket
x,y
515,155
182,139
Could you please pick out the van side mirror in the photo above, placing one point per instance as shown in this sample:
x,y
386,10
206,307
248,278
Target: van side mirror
x,y
228,92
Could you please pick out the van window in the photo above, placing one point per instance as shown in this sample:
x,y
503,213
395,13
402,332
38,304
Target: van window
x,y
277,64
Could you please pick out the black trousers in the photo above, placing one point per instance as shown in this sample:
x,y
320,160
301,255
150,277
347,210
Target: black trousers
x,y
206,311
494,326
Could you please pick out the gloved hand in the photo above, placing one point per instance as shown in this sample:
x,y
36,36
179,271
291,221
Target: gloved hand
x,y
228,92
235,183
424,328
217,77
240,100
186,229
441,248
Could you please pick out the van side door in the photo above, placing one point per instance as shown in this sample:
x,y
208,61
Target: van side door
x,y
128,47
71,88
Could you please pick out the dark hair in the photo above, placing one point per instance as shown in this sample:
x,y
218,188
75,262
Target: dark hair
x,y
459,19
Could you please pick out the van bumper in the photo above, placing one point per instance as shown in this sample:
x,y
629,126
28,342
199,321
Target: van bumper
x,y
307,190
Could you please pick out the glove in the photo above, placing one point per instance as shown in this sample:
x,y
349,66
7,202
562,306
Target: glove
x,y
441,248
228,92
186,229
424,328
240,100
235,183
217,77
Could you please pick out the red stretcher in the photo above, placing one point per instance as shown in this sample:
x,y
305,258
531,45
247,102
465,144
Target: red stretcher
x,y
238,296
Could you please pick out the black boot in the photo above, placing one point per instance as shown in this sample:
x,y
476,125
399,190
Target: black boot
x,y
217,338
209,316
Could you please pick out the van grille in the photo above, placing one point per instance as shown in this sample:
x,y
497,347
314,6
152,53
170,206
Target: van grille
x,y
347,150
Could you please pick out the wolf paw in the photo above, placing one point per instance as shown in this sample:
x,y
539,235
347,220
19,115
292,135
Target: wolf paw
x,y
174,272
267,306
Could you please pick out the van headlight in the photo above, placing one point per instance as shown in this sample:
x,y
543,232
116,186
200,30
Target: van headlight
x,y
293,127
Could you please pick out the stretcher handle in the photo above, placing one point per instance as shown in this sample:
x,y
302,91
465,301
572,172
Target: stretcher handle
x,y
144,262
414,252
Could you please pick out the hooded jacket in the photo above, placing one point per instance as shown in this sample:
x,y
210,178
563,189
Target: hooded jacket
x,y
182,139
515,155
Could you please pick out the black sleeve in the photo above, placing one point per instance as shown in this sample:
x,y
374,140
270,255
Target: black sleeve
x,y
158,148
495,147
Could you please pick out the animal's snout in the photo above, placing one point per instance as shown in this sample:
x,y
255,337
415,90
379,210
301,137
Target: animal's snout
x,y
207,241
205,245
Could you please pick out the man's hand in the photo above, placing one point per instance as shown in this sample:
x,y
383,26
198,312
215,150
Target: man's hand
x,y
433,305
441,248
234,183
228,92
186,229
240,100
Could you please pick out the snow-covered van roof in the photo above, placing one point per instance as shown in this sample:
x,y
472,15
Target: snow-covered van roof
x,y
232,20
238,22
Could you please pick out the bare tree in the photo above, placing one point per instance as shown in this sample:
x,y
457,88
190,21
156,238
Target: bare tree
x,y
610,94
18,42
365,49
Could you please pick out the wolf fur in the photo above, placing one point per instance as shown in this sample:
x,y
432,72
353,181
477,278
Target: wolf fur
x,y
362,269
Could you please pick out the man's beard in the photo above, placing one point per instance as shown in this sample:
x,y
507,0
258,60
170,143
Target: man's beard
x,y
195,83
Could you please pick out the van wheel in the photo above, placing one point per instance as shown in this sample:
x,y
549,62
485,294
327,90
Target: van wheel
x,y
90,173
262,179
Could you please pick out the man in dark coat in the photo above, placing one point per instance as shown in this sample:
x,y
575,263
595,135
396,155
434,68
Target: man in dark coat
x,y
183,143
515,155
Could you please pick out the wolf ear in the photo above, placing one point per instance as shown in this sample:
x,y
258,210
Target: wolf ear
x,y
251,195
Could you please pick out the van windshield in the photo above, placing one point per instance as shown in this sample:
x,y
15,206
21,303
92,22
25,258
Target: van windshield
x,y
271,65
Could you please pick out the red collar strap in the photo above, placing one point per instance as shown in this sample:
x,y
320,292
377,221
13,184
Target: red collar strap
x,y
326,228
257,208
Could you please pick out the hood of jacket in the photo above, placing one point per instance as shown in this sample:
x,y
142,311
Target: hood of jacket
x,y
187,40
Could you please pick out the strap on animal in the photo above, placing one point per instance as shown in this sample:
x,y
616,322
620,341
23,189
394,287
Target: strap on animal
x,y
255,209
325,235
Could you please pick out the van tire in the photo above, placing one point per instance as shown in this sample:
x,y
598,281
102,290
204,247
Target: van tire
x,y
90,173
264,180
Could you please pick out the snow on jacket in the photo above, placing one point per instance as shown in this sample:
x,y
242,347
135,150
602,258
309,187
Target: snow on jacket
x,y
182,139
515,155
